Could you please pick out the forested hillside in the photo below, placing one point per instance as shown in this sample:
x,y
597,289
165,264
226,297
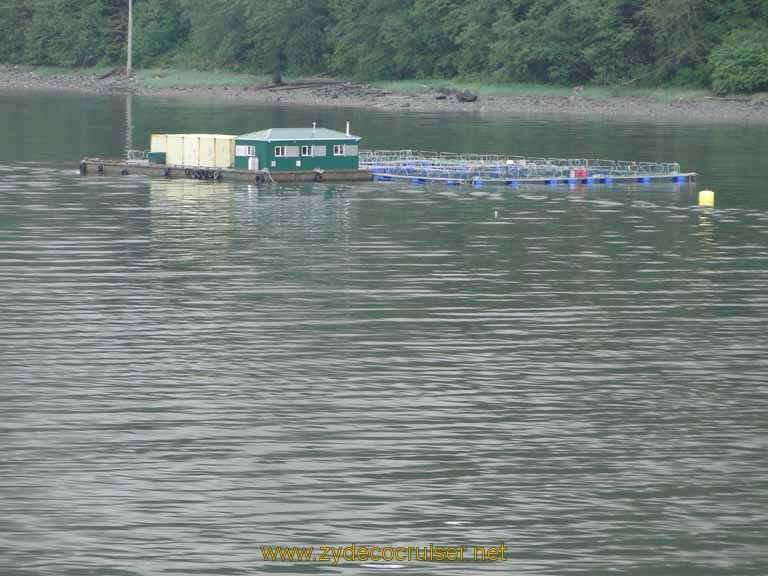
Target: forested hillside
x,y
722,44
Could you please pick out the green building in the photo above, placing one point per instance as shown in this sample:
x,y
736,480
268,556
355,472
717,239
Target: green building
x,y
297,149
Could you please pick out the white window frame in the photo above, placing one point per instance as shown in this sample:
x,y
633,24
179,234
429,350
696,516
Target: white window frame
x,y
306,150
279,151
248,151
338,149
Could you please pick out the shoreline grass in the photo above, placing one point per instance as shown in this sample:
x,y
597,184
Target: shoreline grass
x,y
49,71
524,89
165,78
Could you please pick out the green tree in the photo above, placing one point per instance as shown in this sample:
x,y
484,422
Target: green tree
x,y
113,28
561,41
365,41
14,17
741,63
681,38
63,33
472,28
289,35
160,30
219,33
571,41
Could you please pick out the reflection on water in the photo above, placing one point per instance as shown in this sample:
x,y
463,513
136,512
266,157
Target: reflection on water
x,y
706,224
191,216
192,370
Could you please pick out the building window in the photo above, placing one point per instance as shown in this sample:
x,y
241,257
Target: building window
x,y
279,151
318,151
245,151
338,150
306,150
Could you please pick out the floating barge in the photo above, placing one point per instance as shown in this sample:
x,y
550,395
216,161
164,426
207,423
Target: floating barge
x,y
320,155
273,155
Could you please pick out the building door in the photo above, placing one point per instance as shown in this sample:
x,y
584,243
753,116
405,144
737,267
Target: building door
x,y
253,164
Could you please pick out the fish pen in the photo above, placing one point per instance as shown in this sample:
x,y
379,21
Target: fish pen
x,y
478,169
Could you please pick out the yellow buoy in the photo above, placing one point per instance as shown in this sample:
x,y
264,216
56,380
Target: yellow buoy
x,y
707,198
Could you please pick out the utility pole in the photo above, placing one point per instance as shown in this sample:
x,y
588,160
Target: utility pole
x,y
129,67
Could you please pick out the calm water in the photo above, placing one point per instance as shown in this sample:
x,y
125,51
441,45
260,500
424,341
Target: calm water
x,y
191,371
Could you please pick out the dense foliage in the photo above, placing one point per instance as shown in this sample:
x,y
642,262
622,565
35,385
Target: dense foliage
x,y
694,42
740,64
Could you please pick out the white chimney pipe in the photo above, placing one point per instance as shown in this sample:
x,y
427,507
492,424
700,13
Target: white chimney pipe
x,y
347,128
314,127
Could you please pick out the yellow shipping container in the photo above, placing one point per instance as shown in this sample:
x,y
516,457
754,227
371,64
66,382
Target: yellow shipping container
x,y
225,152
203,150
190,155
206,152
159,143
174,153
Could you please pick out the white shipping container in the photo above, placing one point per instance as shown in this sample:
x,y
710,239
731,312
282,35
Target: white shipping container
x,y
174,153
159,143
203,150
191,151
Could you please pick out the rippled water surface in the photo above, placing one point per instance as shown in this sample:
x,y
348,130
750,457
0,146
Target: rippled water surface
x,y
191,371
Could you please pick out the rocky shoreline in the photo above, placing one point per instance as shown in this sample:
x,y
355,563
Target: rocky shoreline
x,y
319,92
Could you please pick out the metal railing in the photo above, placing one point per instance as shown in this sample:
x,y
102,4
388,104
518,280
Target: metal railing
x,y
468,167
138,156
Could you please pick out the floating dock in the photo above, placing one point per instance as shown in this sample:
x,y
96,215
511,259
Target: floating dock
x,y
475,169
97,166
421,167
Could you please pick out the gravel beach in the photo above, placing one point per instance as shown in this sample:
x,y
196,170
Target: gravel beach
x,y
340,94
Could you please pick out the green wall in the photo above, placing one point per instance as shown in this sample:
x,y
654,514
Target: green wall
x,y
266,153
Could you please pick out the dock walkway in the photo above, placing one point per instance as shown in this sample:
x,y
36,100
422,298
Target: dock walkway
x,y
97,166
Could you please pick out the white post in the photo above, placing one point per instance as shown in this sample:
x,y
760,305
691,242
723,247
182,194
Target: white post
x,y
129,67
129,121
347,128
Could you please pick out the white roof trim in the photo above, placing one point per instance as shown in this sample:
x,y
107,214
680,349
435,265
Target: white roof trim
x,y
355,138
277,135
